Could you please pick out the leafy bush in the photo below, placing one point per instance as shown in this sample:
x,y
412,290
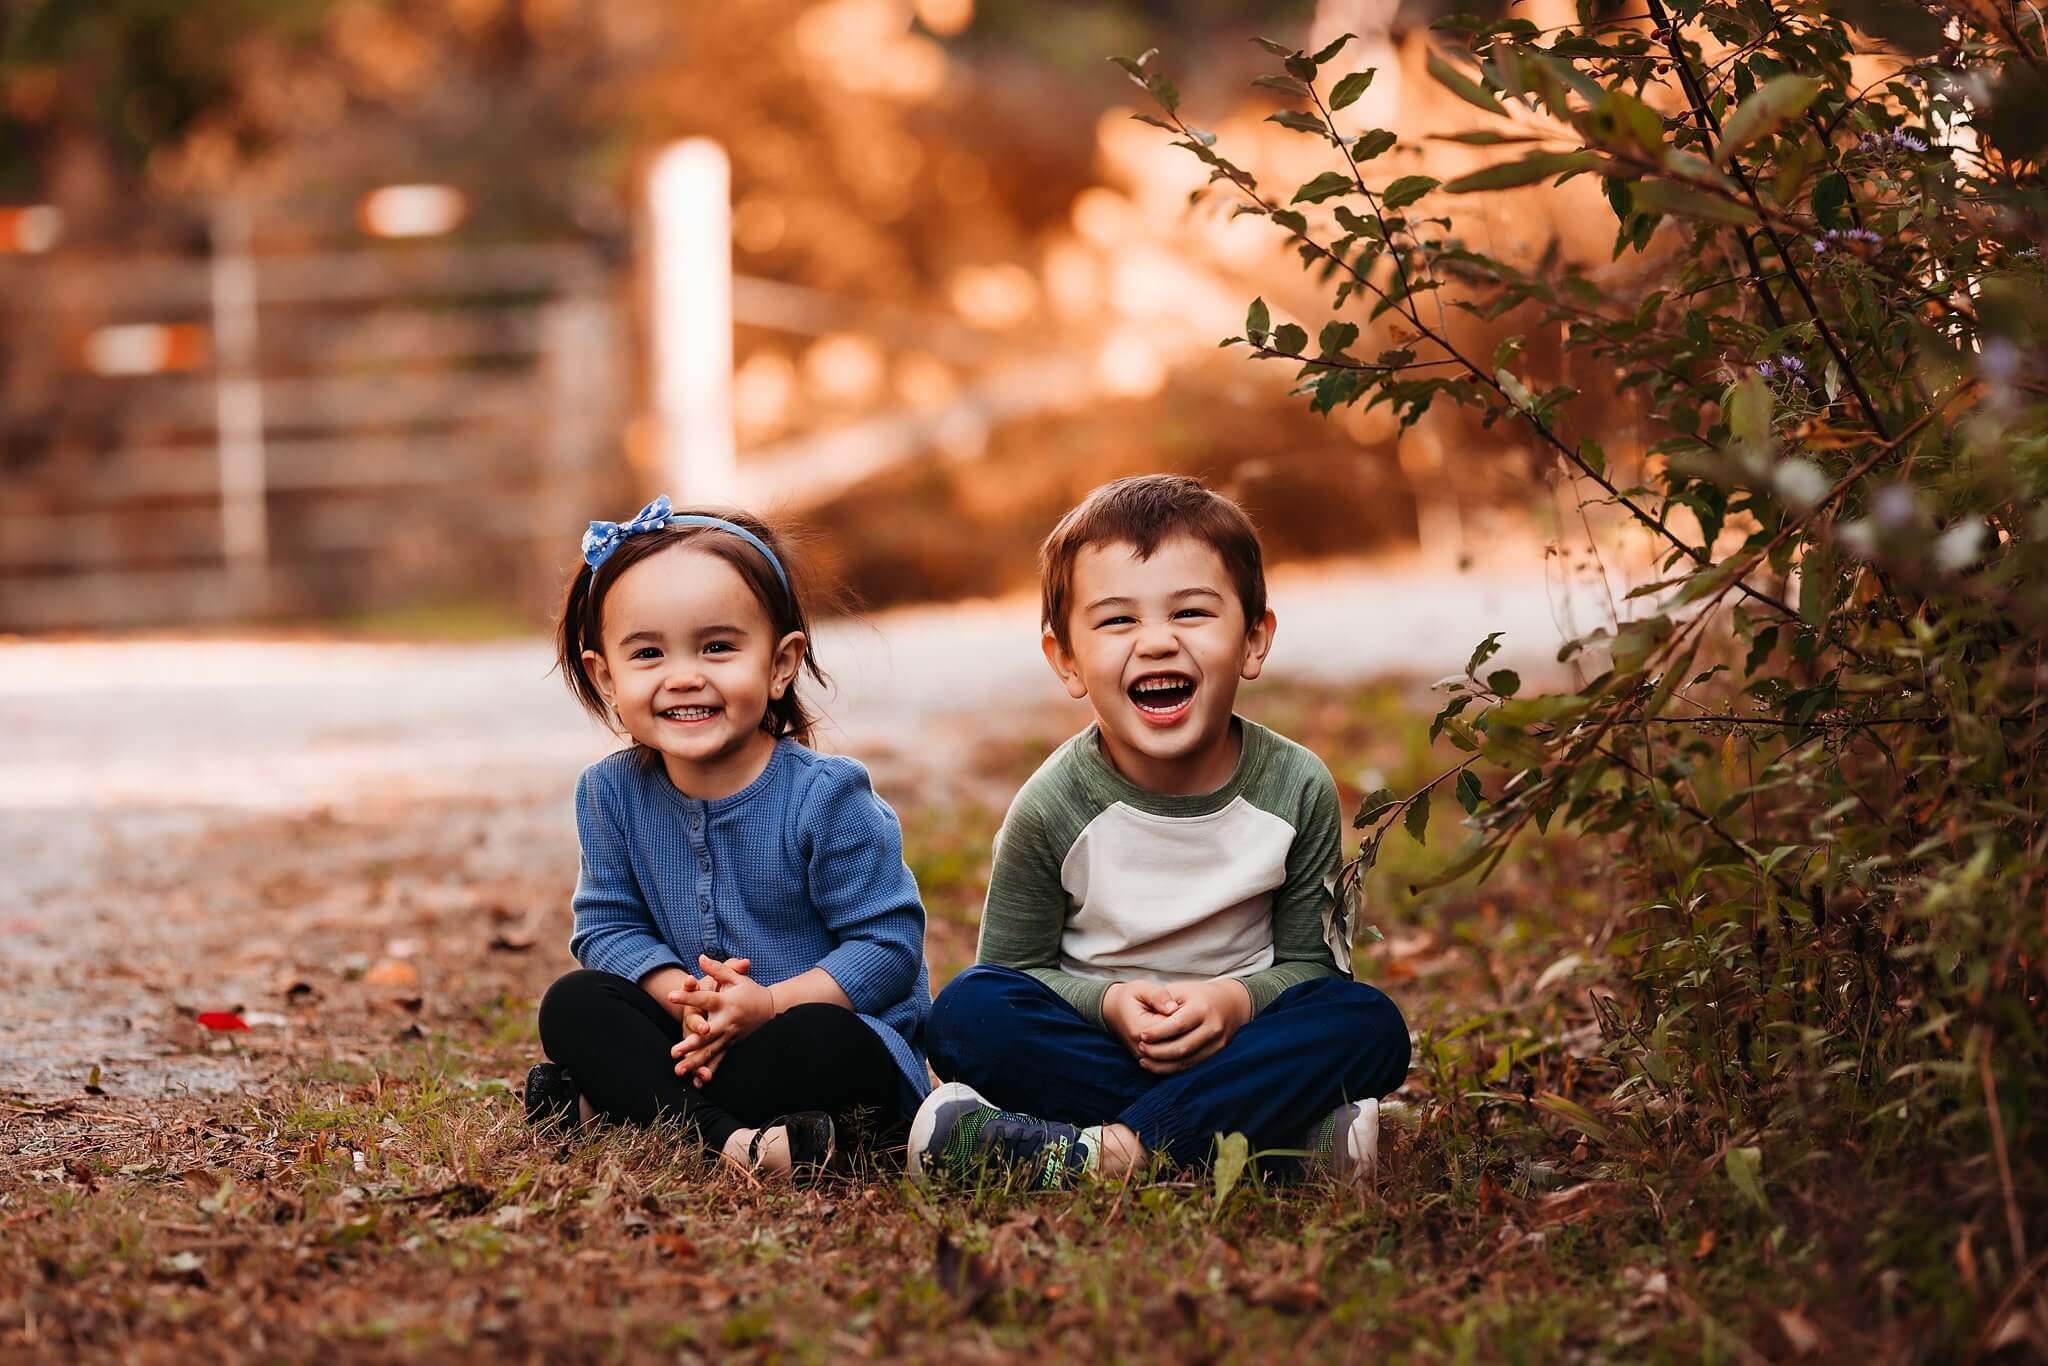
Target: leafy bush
x,y
1817,749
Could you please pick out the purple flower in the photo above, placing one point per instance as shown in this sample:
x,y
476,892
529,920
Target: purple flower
x,y
1862,241
1786,367
1898,140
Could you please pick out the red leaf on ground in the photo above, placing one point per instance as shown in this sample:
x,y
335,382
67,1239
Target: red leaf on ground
x,y
221,1019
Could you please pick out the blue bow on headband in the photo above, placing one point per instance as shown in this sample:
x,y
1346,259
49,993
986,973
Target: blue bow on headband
x,y
604,537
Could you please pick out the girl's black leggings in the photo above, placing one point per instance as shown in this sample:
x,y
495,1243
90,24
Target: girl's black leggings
x,y
614,1039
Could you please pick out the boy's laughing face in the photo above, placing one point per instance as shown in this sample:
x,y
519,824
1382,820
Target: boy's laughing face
x,y
1157,646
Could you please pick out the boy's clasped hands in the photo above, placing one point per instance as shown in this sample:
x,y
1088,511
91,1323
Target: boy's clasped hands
x,y
1171,1026
718,1010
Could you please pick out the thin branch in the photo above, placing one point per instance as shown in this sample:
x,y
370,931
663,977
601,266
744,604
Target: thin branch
x,y
1706,115
1326,363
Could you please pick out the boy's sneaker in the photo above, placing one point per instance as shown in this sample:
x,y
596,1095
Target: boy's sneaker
x,y
1346,1145
551,1096
957,1132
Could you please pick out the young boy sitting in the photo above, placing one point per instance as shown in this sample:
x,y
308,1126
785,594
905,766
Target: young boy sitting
x,y
1162,956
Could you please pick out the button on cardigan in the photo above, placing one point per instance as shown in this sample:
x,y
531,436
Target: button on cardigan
x,y
801,868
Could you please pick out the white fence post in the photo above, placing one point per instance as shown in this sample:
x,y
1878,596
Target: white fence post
x,y
689,192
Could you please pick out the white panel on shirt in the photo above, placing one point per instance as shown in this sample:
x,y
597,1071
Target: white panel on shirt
x,y
1173,898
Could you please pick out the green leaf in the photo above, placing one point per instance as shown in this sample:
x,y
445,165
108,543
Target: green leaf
x,y
1336,45
1830,193
1371,143
1505,682
1291,339
1292,220
1377,803
1664,196
1233,1154
1298,121
1301,66
1335,337
1469,795
1258,321
1530,169
1416,819
1750,407
1277,49
1163,91
1485,650
1778,102
1592,455
1286,85
1463,86
1574,1114
1323,187
1745,1172
1346,92
1407,190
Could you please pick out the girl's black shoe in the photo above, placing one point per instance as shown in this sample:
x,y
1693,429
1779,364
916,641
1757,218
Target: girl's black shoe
x,y
813,1144
551,1096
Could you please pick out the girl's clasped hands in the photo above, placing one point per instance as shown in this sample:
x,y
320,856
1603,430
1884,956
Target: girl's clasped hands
x,y
718,1010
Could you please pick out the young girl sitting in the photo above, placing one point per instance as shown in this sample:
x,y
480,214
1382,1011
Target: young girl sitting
x,y
751,939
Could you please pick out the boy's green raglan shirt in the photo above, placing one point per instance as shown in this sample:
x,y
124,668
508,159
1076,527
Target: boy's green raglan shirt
x,y
1097,880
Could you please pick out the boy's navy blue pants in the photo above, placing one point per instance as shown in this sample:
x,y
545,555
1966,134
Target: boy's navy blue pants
x,y
1317,1046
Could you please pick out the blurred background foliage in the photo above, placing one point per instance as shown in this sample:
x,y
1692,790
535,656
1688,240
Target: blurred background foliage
x,y
991,256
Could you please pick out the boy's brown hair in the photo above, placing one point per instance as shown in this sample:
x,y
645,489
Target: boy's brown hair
x,y
1142,511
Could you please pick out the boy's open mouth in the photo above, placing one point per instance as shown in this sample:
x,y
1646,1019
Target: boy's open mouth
x,y
1162,697
690,714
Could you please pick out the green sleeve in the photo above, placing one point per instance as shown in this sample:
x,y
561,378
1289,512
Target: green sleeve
x,y
1300,952
1025,916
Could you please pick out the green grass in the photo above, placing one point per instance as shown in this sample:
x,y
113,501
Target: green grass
x,y
371,1199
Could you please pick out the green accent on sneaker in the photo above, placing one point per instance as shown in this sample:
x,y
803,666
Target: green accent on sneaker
x,y
1322,1143
962,1149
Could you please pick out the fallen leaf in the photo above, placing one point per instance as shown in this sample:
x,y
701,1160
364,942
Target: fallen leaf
x,y
1800,1335
713,1294
1286,1294
969,1277
2016,1327
392,972
1705,1247
1572,1204
1489,1194
515,939
675,1246
222,1020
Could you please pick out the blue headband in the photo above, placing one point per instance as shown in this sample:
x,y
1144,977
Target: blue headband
x,y
604,537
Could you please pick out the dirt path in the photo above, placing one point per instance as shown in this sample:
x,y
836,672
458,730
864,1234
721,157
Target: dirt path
x,y
185,825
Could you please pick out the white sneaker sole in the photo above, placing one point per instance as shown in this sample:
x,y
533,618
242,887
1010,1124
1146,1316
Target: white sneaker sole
x,y
1361,1141
952,1093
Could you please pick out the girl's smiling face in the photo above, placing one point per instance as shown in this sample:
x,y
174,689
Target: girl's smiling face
x,y
690,664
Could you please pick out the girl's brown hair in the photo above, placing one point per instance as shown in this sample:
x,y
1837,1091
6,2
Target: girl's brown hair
x,y
582,624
